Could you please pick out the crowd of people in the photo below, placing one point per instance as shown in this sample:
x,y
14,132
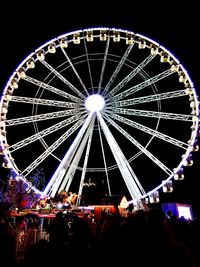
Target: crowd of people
x,y
142,238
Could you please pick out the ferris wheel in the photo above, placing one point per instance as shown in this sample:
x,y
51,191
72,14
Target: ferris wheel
x,y
101,104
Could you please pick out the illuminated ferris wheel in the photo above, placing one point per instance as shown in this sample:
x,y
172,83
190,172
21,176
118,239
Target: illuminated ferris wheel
x,y
100,103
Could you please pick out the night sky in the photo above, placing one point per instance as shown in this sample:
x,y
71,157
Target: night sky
x,y
25,30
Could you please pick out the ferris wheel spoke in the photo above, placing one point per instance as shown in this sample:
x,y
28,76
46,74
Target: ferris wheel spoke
x,y
148,98
103,65
43,133
130,76
63,79
142,85
74,70
51,148
104,159
51,88
139,146
150,131
41,117
117,70
88,64
153,114
39,101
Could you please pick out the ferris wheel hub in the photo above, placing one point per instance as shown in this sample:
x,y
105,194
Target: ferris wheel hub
x,y
94,102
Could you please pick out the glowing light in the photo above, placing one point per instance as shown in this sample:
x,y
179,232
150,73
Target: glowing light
x,y
94,103
124,203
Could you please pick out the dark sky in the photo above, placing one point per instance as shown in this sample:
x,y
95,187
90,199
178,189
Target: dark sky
x,y
24,30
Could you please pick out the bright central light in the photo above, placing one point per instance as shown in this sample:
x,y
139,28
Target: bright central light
x,y
94,103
